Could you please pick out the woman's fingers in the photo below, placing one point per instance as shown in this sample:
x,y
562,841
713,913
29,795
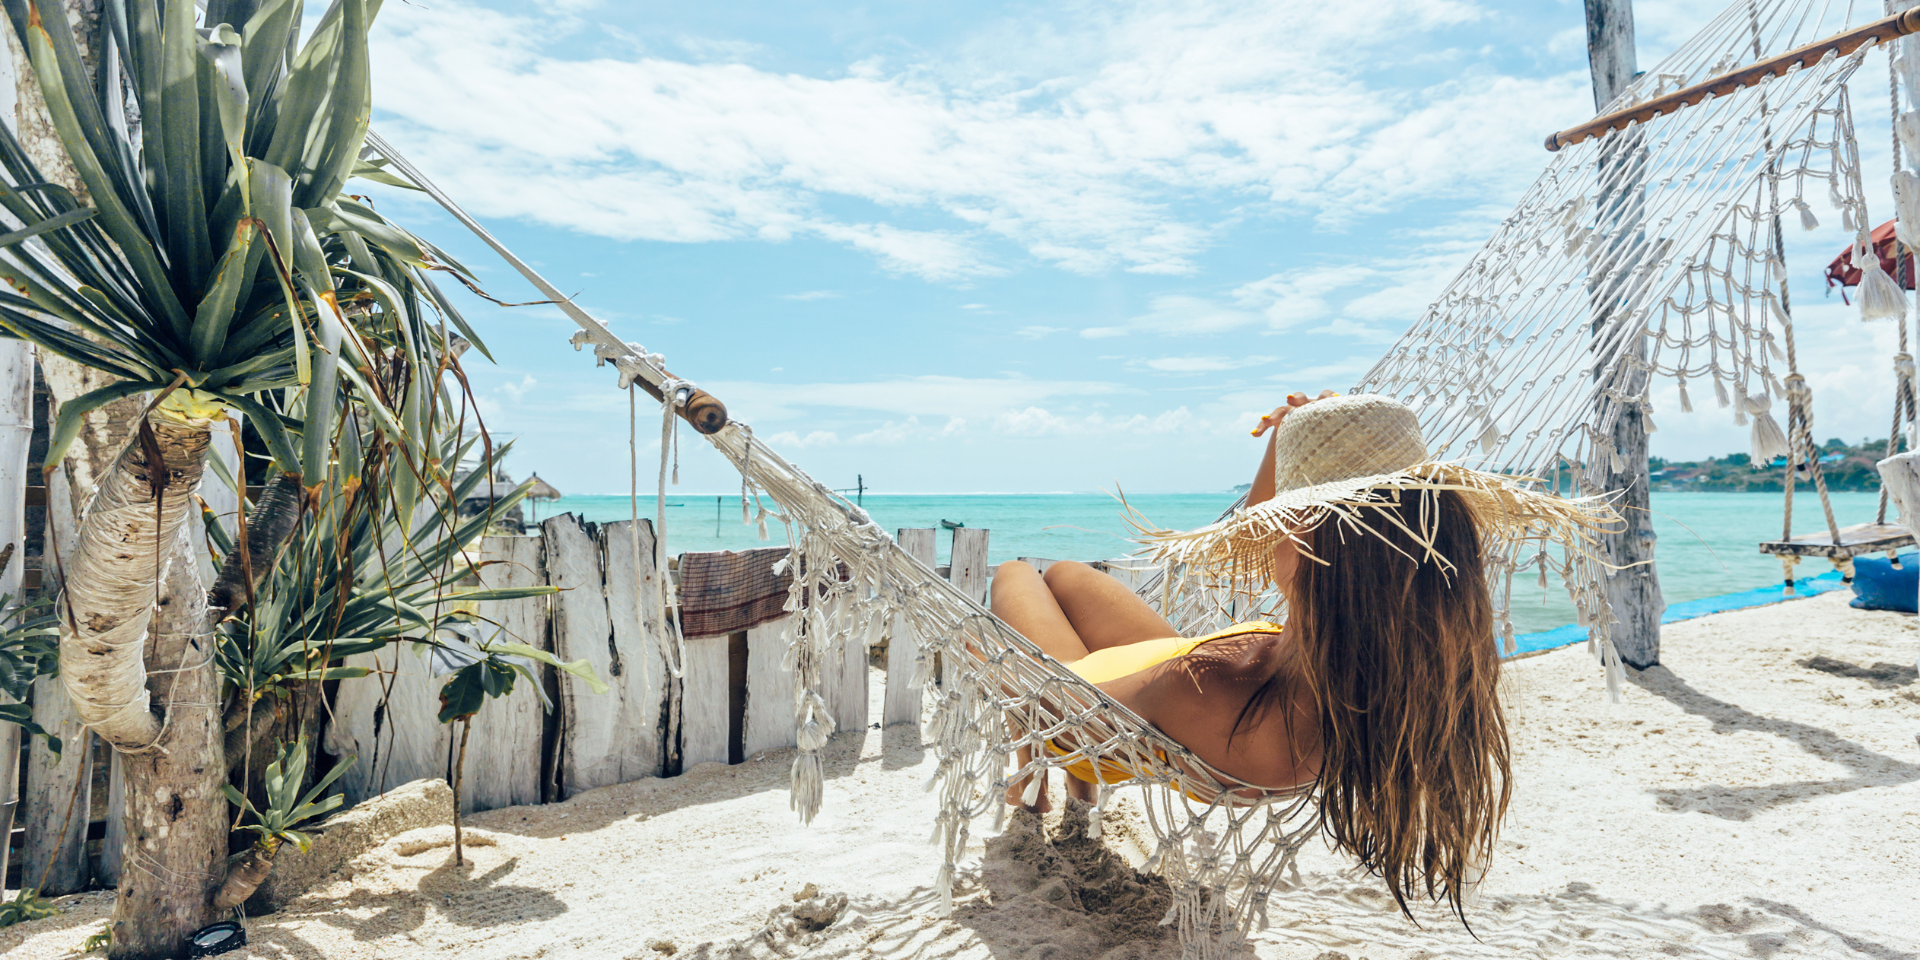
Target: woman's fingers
x,y
1295,401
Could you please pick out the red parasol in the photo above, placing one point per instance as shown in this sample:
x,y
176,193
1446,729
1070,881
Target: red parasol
x,y
1843,273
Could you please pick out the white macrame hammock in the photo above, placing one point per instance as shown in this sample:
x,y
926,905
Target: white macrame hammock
x,y
1653,251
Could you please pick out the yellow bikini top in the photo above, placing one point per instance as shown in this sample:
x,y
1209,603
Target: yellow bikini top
x,y
1113,663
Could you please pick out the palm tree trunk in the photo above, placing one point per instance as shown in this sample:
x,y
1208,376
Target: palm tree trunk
x,y
176,816
136,657
113,579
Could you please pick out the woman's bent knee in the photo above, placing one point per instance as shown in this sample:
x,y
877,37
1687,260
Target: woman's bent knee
x,y
1066,571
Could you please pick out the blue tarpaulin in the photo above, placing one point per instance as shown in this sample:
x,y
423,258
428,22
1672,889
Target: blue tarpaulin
x,y
1689,609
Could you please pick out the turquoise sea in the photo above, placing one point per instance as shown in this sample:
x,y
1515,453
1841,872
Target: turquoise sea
x,y
1707,541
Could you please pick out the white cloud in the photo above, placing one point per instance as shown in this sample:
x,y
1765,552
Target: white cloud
x,y
1300,296
928,396
1179,315
519,391
792,440
1038,422
812,295
1084,151
1204,364
1334,375
1354,330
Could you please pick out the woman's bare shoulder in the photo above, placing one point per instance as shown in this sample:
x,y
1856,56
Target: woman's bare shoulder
x,y
1253,655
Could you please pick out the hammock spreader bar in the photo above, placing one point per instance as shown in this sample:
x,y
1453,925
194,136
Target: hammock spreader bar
x,y
1840,44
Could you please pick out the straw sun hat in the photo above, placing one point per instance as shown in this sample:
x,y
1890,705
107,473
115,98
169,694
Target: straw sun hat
x,y
1348,458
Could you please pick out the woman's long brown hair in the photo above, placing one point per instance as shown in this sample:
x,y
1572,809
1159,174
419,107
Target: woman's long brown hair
x,y
1397,653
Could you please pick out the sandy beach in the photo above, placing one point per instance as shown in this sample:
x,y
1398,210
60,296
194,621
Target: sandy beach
x,y
1756,796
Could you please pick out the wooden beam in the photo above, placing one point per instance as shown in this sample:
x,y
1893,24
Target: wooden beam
x,y
1879,31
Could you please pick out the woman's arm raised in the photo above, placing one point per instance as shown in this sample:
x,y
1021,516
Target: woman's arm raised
x,y
1262,490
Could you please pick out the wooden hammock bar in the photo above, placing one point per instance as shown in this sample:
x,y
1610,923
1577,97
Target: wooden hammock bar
x,y
1879,31
1854,541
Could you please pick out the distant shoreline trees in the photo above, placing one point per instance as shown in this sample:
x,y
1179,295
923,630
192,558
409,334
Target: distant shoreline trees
x,y
1846,468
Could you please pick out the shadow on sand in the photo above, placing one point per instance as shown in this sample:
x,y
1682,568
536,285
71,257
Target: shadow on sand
x,y
1869,769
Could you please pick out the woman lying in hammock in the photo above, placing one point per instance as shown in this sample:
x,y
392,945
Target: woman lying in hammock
x,y
1381,690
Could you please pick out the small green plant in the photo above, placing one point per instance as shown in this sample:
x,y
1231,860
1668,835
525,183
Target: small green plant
x,y
100,939
29,649
485,669
28,904
287,811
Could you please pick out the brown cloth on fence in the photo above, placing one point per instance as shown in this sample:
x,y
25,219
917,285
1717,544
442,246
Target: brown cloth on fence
x,y
728,592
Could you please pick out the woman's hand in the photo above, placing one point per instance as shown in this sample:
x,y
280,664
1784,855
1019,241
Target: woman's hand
x,y
1294,402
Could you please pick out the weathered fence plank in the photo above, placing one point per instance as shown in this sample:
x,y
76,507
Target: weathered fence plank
x,y
769,722
16,435
113,842
609,614
845,678
504,751
704,720
390,722
903,647
969,561
51,781
58,798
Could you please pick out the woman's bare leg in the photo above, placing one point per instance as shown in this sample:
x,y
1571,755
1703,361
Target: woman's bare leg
x,y
1100,610
1021,600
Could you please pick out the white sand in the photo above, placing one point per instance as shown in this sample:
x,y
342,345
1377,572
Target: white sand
x,y
1738,803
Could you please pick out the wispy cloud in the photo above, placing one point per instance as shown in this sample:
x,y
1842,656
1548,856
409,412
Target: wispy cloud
x,y
1204,364
1179,315
812,295
930,396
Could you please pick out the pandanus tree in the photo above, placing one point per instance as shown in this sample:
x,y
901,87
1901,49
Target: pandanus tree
x,y
206,256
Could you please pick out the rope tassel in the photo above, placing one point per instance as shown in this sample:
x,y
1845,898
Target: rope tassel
x,y
1807,220
1880,297
1769,441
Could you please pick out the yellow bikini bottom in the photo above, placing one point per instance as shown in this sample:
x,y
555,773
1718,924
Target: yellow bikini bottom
x,y
1113,663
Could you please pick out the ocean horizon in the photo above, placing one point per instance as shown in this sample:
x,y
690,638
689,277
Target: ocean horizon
x,y
1708,542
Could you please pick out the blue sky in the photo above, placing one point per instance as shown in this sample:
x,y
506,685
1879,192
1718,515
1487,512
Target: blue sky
x,y
992,247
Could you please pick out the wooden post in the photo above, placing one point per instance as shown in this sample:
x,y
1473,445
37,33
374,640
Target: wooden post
x,y
769,714
504,752
1633,593
969,561
903,647
16,435
390,722
704,720
56,784
16,429
616,623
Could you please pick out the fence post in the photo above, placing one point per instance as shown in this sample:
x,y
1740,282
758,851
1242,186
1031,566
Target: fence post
x,y
903,645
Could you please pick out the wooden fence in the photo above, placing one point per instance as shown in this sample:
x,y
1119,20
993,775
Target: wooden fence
x,y
732,700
